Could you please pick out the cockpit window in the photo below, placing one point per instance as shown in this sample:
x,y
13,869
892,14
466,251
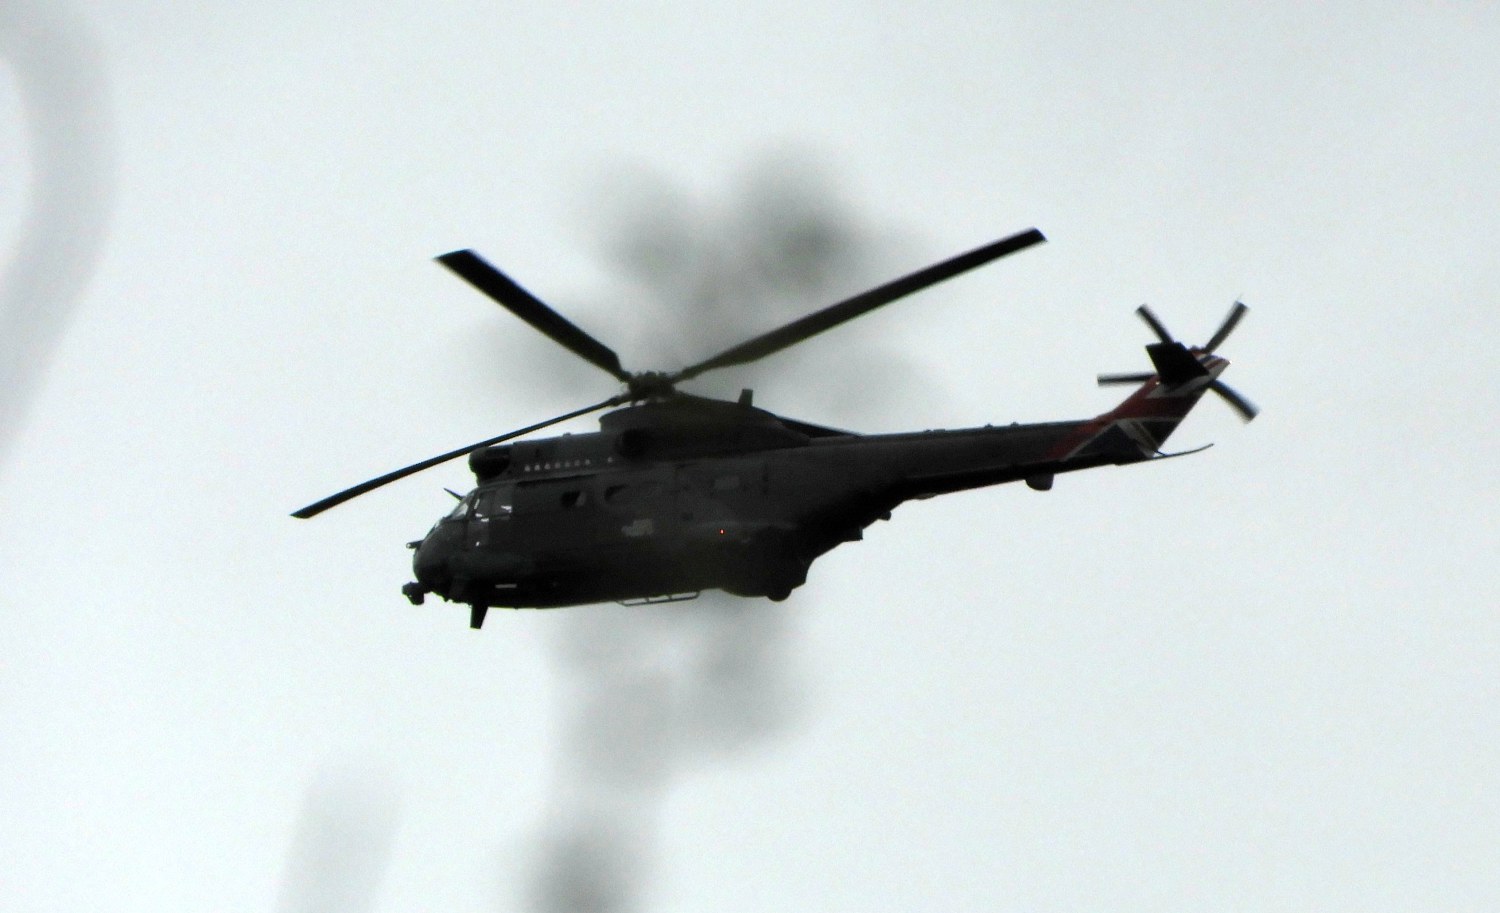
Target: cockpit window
x,y
461,509
496,503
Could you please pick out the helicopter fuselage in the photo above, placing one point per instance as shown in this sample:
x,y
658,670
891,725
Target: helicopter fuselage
x,y
685,495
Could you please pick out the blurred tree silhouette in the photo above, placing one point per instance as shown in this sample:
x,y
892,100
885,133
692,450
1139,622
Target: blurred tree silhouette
x,y
649,693
62,85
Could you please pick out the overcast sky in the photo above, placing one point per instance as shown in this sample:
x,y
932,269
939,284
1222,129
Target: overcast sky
x,y
1260,678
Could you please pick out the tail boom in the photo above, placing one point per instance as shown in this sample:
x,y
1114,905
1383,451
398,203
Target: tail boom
x,y
1141,424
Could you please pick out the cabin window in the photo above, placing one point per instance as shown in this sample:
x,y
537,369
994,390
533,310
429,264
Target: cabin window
x,y
543,496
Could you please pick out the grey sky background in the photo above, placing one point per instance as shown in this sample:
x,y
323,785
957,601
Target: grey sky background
x,y
1259,678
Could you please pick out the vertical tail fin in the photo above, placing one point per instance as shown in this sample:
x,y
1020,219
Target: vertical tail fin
x,y
1150,414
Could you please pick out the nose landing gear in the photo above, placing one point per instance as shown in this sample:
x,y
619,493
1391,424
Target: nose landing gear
x,y
416,594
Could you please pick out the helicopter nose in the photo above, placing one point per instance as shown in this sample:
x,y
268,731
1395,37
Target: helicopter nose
x,y
429,561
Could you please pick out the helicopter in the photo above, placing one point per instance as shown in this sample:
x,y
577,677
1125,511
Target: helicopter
x,y
678,493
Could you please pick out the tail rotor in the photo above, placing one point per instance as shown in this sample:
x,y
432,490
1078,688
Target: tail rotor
x,y
1236,312
1177,364
1246,409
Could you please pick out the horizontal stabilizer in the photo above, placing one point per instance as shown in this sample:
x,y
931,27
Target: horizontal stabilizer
x,y
1138,377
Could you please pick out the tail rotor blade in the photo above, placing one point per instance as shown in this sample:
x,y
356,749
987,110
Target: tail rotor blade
x,y
1140,377
474,270
1238,403
1154,323
312,510
1230,322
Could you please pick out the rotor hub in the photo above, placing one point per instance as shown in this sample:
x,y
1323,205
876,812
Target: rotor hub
x,y
650,385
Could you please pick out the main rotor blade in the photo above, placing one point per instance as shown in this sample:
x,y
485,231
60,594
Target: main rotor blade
x,y
1238,403
1154,323
863,303
474,270
312,510
1227,327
